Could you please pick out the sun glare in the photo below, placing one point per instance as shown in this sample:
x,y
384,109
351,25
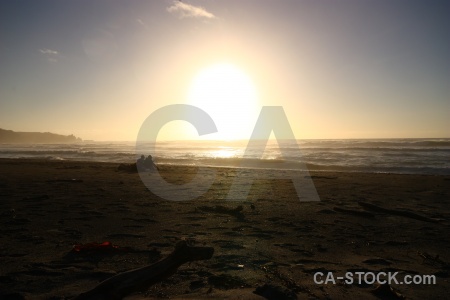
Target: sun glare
x,y
228,95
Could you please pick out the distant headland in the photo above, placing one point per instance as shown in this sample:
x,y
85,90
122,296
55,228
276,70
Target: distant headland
x,y
9,136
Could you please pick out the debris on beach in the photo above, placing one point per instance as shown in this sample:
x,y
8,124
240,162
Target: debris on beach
x,y
126,283
97,247
433,260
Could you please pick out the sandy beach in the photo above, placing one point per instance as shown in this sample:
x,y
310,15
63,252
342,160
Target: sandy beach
x,y
270,243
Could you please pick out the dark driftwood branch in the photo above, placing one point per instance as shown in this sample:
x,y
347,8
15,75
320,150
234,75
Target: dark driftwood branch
x,y
123,284
403,213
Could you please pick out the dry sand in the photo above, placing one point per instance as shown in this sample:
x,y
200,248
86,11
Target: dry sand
x,y
274,239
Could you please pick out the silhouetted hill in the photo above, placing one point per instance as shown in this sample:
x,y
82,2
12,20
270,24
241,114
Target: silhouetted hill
x,y
9,136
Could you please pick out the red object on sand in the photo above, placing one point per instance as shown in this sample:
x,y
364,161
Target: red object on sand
x,y
95,247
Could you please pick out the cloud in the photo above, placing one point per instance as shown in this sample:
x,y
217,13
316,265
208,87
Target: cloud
x,y
51,55
139,21
48,51
142,23
185,10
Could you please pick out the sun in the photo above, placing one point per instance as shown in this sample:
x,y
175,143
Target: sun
x,y
229,96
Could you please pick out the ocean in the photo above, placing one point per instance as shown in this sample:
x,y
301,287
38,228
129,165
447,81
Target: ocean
x,y
401,156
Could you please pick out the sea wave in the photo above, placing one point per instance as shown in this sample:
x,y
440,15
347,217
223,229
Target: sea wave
x,y
418,156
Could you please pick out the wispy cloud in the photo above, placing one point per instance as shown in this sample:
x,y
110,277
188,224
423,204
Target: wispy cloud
x,y
139,21
48,51
184,10
142,23
51,55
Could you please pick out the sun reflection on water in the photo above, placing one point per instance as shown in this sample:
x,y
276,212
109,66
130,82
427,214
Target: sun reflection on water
x,y
223,153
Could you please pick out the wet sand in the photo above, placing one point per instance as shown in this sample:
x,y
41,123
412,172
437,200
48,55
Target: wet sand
x,y
362,223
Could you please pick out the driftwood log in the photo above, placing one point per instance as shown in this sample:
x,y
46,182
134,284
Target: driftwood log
x,y
137,280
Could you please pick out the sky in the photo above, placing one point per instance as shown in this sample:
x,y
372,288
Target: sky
x,y
340,69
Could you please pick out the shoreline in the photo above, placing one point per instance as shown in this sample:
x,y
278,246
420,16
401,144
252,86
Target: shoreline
x,y
273,239
309,167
